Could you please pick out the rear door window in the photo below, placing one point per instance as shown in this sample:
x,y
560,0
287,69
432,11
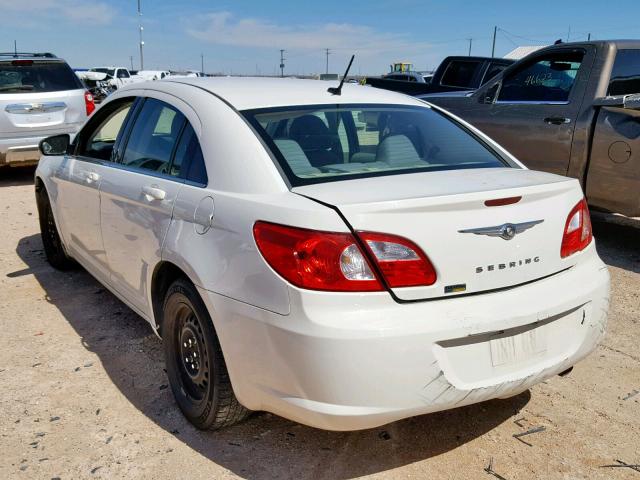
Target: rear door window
x,y
459,73
549,79
625,77
26,76
154,137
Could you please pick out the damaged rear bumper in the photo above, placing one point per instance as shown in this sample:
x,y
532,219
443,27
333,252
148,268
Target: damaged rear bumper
x,y
353,361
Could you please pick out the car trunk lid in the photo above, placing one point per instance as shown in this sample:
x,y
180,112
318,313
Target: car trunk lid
x,y
445,214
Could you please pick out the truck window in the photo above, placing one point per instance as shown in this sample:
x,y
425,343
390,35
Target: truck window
x,y
547,80
459,73
625,76
493,70
122,73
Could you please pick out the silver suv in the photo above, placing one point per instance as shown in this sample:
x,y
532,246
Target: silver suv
x,y
40,96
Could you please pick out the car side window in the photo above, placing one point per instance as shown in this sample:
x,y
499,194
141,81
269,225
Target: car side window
x,y
102,131
123,73
189,156
548,79
625,77
154,137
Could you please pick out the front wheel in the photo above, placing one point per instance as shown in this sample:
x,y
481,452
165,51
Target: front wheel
x,y
53,248
195,365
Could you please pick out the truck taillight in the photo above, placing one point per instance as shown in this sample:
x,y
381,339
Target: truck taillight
x,y
333,261
577,231
89,103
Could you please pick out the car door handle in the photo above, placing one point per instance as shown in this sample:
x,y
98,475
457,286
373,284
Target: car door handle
x,y
92,177
557,120
152,192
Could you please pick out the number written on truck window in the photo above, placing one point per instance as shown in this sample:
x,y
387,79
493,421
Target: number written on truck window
x,y
548,79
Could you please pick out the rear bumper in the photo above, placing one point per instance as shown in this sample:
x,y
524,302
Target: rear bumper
x,y
21,151
348,362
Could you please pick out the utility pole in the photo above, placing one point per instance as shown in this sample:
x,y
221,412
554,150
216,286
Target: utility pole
x,y
202,63
327,53
470,43
15,48
141,41
282,63
493,48
569,34
588,37
131,60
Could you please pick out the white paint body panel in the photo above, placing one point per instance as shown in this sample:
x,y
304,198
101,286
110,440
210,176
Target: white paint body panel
x,y
339,361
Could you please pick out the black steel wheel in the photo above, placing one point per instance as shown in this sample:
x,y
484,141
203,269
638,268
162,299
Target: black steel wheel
x,y
195,365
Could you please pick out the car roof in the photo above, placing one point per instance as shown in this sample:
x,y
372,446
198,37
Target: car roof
x,y
246,93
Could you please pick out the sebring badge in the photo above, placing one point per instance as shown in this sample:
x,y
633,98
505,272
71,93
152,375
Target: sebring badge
x,y
505,231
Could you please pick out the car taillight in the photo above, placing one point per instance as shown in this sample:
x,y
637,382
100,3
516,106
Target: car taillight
x,y
577,231
333,261
402,262
315,260
89,103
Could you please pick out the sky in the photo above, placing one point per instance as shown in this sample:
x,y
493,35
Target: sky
x,y
245,37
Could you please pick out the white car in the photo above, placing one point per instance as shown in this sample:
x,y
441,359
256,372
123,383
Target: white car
x,y
344,261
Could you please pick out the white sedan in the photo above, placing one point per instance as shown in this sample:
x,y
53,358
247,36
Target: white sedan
x,y
341,260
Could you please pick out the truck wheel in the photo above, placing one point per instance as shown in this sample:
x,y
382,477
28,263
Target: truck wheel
x,y
195,365
53,248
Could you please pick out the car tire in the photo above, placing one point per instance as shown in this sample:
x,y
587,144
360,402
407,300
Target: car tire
x,y
195,365
53,247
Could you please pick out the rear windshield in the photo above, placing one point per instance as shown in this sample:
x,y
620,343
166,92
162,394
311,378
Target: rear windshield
x,y
23,77
459,73
317,144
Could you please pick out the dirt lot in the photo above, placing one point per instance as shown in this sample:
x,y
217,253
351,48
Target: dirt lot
x,y
84,395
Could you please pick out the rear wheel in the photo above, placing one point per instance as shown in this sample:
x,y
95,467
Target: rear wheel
x,y
53,248
195,365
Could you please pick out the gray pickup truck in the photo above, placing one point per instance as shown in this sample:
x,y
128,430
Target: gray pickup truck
x,y
571,109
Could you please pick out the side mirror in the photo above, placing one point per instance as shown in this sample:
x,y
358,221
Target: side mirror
x,y
55,145
630,102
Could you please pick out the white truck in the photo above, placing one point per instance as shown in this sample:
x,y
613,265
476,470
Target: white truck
x,y
117,77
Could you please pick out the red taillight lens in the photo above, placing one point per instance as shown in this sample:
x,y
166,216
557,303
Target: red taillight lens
x,y
577,231
402,262
315,260
89,103
333,261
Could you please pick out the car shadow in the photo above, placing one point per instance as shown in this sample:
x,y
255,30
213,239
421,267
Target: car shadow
x,y
265,446
617,240
16,176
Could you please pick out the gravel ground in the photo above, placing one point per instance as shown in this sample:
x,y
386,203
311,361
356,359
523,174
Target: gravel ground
x,y
84,394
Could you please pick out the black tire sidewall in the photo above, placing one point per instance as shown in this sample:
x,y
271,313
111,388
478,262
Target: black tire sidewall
x,y
203,413
54,251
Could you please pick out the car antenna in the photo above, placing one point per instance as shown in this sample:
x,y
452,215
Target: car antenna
x,y
338,90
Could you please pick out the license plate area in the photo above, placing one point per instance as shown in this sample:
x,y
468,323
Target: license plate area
x,y
517,348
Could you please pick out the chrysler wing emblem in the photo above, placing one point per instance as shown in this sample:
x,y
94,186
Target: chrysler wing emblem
x,y
505,231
